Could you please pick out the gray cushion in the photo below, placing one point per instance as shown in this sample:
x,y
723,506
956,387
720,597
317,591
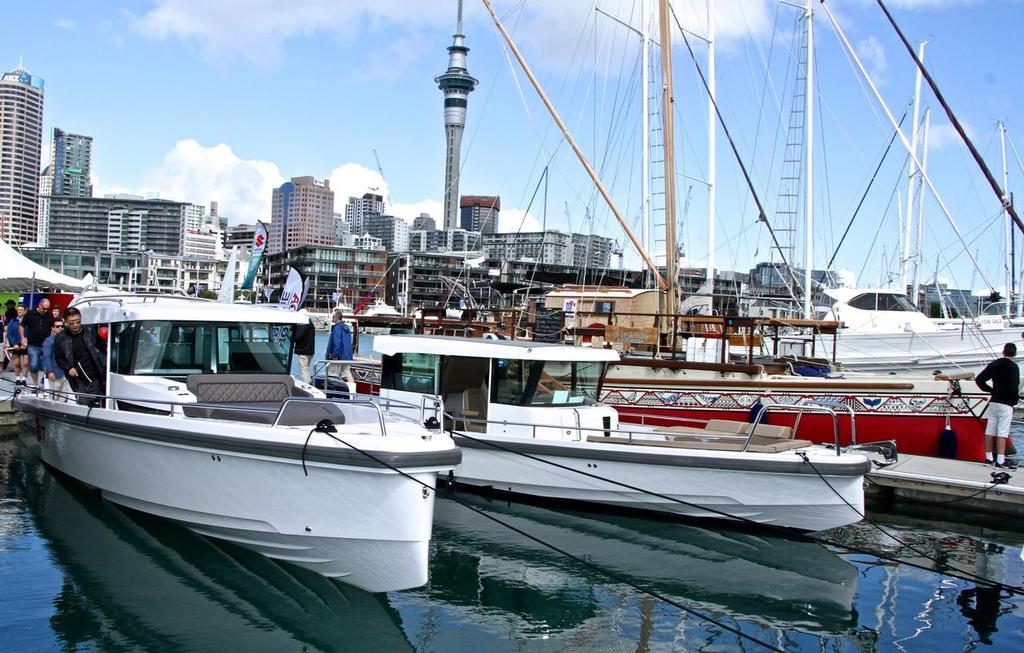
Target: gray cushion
x,y
240,388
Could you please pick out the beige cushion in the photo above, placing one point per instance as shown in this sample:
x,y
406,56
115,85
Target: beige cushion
x,y
727,426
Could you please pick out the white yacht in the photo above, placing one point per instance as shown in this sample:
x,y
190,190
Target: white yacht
x,y
526,417
203,425
885,333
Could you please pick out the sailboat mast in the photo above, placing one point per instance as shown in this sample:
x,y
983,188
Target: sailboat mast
x,y
911,178
918,259
667,115
712,149
809,189
1008,225
645,129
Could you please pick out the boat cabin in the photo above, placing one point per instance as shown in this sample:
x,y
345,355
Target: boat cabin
x,y
233,359
499,387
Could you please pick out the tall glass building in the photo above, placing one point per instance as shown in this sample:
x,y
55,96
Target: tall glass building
x,y
21,137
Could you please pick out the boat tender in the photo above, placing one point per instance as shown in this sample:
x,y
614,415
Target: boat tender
x,y
527,419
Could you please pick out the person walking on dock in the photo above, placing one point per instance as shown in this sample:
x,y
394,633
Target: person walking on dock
x,y
1005,377
14,345
54,375
339,348
37,326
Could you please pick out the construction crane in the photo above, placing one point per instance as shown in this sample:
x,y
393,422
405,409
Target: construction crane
x,y
380,169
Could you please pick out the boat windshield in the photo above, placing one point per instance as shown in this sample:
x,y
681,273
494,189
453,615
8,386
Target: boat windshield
x,y
544,383
181,348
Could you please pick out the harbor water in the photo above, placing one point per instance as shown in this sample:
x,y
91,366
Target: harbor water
x,y
79,573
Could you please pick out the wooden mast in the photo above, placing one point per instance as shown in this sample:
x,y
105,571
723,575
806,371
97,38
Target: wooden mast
x,y
670,301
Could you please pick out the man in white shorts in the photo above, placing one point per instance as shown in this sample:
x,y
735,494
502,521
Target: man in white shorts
x,y
1005,377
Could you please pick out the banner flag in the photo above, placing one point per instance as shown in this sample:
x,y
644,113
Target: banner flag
x,y
291,296
259,244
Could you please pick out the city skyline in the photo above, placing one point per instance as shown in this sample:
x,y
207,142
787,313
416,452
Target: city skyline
x,y
219,126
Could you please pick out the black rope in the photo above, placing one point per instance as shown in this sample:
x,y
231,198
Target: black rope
x,y
943,568
998,478
579,559
966,575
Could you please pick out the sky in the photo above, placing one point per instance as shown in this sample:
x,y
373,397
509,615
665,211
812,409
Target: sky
x,y
223,101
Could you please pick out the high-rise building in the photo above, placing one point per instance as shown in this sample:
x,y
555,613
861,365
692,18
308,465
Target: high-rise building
x,y
121,223
393,231
479,213
21,142
45,190
457,84
302,213
359,207
70,164
423,222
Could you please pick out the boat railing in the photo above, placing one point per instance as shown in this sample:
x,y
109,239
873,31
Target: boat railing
x,y
466,421
799,409
380,405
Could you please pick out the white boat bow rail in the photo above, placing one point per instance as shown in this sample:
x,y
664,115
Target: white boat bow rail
x,y
371,411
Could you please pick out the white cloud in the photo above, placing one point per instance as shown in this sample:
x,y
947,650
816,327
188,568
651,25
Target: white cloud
x,y
256,29
193,173
410,211
355,180
64,23
513,220
872,53
943,135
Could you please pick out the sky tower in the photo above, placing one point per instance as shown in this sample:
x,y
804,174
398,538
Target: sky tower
x,y
457,84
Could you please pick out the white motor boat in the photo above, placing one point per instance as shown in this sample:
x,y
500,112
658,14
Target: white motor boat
x,y
885,333
526,417
203,425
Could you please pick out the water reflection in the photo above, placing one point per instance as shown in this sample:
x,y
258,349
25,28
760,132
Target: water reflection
x,y
490,575
136,582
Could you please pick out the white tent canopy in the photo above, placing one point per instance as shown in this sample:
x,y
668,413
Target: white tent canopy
x,y
17,273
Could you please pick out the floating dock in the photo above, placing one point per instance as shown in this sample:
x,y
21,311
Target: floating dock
x,y
952,483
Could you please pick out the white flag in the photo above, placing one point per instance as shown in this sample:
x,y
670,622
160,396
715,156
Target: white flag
x,y
291,296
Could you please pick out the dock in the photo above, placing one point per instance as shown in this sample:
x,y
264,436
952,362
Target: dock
x,y
953,483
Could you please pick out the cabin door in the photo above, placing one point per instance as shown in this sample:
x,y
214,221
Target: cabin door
x,y
465,392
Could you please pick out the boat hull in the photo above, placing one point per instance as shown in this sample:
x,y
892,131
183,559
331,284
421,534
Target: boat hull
x,y
263,503
773,489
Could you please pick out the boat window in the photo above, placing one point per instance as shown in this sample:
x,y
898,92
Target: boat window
x,y
409,372
865,302
881,302
123,340
184,348
544,383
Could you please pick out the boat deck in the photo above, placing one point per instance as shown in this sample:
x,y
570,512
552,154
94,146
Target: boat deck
x,y
953,482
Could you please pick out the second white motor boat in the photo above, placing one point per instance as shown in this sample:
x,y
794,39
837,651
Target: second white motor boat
x,y
202,424
526,417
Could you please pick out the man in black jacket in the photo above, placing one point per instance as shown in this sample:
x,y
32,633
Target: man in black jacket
x,y
304,339
82,355
37,326
1005,377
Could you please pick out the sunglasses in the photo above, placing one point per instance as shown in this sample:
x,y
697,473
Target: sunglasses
x,y
58,326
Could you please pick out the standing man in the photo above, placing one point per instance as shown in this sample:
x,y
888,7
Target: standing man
x,y
58,384
304,339
339,348
37,326
82,355
1005,377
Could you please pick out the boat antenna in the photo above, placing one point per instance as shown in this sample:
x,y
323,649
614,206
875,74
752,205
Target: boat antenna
x,y
1000,194
576,149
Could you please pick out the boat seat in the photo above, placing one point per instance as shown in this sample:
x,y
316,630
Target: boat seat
x,y
731,427
715,444
473,407
256,398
